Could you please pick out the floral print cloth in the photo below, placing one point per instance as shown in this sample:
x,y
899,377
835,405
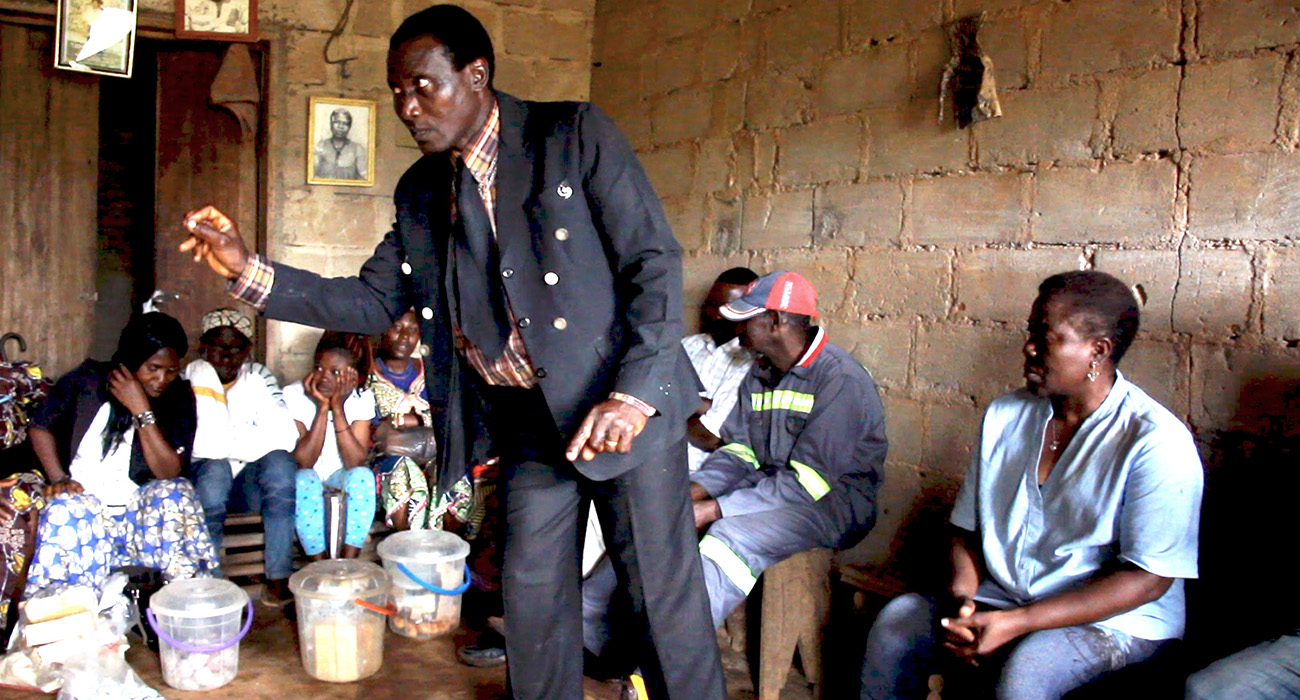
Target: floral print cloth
x,y
162,528
24,495
404,486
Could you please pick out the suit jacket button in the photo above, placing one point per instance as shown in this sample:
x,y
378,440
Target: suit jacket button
x,y
561,234
524,322
427,313
406,268
560,324
508,273
541,373
551,278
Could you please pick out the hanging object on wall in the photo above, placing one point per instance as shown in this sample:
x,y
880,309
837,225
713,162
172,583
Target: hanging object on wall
x,y
969,74
335,33
228,20
235,88
96,36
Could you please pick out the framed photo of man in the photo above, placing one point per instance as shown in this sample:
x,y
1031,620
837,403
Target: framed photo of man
x,y
96,36
228,20
341,142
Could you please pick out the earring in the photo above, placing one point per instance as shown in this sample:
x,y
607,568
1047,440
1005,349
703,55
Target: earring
x,y
1092,371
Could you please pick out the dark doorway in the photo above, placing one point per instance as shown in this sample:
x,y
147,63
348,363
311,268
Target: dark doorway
x,y
164,149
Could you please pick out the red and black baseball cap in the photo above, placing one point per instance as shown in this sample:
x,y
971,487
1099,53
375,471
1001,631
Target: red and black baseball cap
x,y
779,291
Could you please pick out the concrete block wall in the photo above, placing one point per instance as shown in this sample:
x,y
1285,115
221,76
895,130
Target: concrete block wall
x,y
1153,139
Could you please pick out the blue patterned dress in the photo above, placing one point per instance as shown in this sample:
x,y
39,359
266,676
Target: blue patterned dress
x,y
80,542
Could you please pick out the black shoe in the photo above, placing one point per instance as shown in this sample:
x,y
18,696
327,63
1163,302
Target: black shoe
x,y
481,656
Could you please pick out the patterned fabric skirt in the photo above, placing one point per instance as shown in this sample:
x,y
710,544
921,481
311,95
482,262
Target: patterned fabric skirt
x,y
23,494
403,486
81,542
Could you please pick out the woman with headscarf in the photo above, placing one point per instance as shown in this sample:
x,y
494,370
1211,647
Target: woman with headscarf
x,y
113,439
1074,530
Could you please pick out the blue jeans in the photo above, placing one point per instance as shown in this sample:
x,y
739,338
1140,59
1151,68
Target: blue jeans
x,y
265,486
1268,671
903,650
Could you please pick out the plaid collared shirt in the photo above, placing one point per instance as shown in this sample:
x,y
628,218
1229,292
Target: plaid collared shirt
x,y
513,367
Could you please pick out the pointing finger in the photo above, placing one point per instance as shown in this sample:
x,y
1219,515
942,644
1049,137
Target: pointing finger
x,y
576,445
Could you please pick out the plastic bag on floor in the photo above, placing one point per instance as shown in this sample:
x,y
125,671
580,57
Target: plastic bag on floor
x,y
78,657
102,674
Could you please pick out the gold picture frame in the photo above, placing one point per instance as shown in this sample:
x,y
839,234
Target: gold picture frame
x,y
227,20
341,141
95,36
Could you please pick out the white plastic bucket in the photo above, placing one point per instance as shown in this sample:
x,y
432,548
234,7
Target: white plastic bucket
x,y
429,575
197,621
341,608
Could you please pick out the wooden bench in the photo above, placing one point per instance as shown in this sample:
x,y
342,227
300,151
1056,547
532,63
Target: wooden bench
x,y
243,547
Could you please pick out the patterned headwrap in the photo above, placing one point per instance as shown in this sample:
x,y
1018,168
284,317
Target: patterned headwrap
x,y
218,318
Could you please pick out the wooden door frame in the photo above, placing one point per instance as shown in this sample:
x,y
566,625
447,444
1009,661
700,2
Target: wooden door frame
x,y
151,24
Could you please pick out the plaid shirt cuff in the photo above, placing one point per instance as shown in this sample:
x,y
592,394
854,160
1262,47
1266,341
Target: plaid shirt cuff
x,y
636,403
253,287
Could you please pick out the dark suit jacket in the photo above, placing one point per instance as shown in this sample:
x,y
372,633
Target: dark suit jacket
x,y
588,262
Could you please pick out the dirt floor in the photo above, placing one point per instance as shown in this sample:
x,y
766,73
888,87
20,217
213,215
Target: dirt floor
x,y
270,669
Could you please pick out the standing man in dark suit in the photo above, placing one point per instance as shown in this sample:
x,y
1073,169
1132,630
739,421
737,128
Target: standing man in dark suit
x,y
549,287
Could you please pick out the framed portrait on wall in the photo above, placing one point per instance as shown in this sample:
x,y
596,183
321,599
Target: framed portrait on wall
x,y
95,36
341,142
228,20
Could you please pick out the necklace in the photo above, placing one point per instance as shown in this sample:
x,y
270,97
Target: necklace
x,y
1056,441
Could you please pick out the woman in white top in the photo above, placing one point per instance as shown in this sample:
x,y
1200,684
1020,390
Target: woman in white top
x,y
113,439
333,418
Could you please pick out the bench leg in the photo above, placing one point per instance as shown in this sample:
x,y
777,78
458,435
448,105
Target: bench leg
x,y
796,602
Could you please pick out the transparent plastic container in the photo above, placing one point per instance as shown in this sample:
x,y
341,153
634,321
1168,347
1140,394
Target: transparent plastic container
x,y
197,621
429,575
340,628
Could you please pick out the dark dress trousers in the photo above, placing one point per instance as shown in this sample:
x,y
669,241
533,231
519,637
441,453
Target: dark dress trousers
x,y
592,274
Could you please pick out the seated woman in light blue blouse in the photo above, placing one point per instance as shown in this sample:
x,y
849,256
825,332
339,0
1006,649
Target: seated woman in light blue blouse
x,y
1074,528
333,417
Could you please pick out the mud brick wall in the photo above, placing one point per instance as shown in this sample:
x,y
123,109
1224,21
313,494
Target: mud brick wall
x,y
1153,139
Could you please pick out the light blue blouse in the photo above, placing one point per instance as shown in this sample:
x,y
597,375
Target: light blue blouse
x,y
1126,488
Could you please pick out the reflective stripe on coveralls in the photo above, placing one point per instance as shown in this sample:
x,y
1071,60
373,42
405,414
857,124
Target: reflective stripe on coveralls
x,y
731,564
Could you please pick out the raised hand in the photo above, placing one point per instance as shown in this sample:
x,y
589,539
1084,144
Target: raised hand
x,y
347,382
215,239
123,385
311,387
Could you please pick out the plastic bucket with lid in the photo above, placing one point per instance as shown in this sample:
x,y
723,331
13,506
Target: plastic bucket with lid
x,y
197,621
341,608
429,575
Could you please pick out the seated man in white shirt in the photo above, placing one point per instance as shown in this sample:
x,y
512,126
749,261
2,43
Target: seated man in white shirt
x,y
719,361
241,459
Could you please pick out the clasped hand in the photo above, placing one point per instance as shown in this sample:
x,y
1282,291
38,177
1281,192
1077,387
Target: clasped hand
x,y
970,634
